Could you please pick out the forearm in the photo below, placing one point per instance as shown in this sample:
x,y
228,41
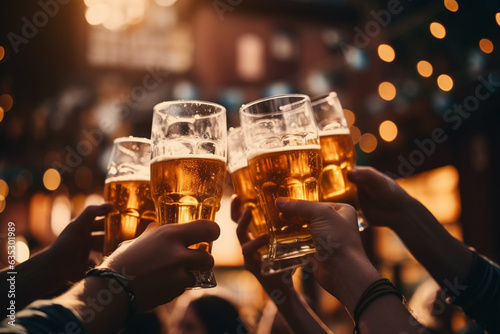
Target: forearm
x,y
100,302
30,280
385,313
297,313
447,259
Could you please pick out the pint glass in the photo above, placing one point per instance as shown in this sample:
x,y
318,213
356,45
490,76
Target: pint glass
x,y
338,153
284,160
188,165
127,188
237,166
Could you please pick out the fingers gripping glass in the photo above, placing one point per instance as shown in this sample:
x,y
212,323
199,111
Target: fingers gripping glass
x,y
240,176
284,160
188,166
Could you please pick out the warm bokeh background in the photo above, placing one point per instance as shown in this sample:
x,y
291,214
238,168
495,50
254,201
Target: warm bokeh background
x,y
419,82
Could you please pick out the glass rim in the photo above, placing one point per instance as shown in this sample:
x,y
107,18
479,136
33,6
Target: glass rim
x,y
164,104
269,98
132,139
322,98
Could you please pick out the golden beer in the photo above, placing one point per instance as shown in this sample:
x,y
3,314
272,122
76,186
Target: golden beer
x,y
245,190
339,157
187,188
133,210
286,172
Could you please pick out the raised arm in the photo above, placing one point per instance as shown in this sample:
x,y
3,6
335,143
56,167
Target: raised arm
x,y
140,275
279,287
468,279
66,260
344,270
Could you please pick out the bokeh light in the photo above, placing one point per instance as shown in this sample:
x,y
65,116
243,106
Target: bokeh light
x,y
387,91
1,114
368,143
3,203
355,134
51,179
22,250
486,45
60,215
6,102
437,30
445,82
94,199
97,14
350,117
451,5
388,131
2,52
497,17
424,68
386,52
165,3
4,188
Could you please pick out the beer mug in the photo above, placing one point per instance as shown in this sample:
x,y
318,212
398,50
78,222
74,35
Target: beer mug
x,y
237,166
284,160
339,155
127,188
188,166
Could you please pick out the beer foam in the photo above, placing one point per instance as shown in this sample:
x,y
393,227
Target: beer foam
x,y
132,177
254,153
189,156
330,132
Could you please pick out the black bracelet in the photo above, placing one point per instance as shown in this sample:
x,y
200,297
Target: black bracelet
x,y
377,289
109,273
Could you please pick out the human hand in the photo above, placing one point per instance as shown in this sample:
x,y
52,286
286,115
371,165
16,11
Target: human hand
x,y
341,266
250,247
383,201
70,251
158,264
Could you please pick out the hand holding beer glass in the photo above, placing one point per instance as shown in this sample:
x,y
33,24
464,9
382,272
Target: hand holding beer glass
x,y
237,166
339,155
188,166
284,160
127,188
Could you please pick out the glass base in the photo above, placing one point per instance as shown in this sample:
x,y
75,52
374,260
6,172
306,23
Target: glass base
x,y
270,267
362,222
281,250
203,279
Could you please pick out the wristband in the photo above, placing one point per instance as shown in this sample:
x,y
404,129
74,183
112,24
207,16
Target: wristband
x,y
109,273
375,290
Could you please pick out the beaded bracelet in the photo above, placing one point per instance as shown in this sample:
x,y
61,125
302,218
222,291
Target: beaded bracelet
x,y
109,273
377,289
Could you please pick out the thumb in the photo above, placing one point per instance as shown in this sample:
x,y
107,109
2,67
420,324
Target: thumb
x,y
87,217
368,178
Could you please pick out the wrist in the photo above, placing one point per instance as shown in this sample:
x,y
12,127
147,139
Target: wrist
x,y
351,278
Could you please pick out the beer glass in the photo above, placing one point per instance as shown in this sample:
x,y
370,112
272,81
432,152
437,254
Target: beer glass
x,y
188,165
127,188
237,166
284,160
339,155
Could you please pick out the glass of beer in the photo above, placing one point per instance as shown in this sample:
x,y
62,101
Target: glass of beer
x,y
237,166
127,188
188,165
284,160
339,155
